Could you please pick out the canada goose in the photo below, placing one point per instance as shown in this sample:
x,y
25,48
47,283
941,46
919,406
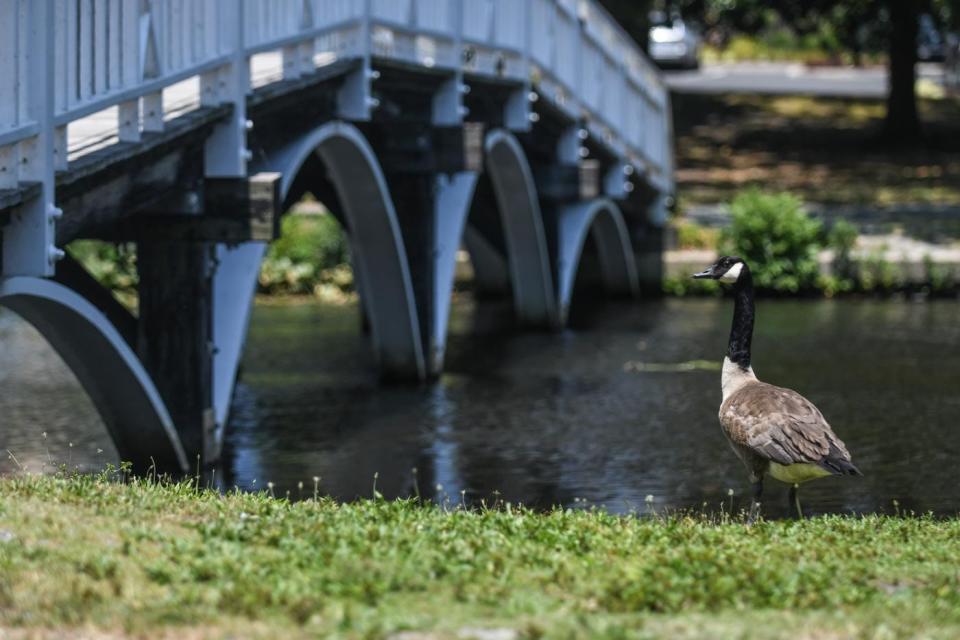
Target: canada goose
x,y
773,430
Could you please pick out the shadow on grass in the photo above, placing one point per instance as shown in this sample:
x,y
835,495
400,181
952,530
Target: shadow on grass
x,y
826,150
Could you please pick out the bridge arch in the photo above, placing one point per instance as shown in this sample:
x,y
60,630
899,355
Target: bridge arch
x,y
376,244
602,219
528,257
105,366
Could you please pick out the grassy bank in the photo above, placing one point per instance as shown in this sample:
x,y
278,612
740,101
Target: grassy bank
x,y
143,558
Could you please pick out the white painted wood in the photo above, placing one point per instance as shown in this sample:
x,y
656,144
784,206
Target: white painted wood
x,y
72,87
128,116
60,148
115,43
85,54
28,247
129,52
100,46
9,161
210,87
9,64
153,112
292,62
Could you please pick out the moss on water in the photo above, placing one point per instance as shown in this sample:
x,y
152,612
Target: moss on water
x,y
147,558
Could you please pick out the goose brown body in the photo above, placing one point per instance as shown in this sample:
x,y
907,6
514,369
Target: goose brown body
x,y
777,430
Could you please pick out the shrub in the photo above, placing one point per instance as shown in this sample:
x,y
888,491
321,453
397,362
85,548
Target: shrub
x,y
310,257
317,240
773,233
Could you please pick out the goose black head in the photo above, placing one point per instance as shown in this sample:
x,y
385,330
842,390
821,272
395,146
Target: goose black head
x,y
727,269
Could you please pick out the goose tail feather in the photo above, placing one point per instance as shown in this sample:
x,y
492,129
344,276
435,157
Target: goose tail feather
x,y
838,463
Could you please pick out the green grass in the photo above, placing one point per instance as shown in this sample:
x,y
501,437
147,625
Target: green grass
x,y
93,554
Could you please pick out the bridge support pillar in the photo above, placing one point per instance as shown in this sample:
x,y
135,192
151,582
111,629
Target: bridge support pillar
x,y
432,211
175,338
432,176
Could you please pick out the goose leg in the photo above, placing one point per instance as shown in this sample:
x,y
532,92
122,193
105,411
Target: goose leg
x,y
755,505
794,501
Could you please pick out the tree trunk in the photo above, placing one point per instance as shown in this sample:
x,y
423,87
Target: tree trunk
x,y
902,122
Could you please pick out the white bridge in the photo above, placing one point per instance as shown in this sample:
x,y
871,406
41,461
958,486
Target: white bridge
x,y
517,129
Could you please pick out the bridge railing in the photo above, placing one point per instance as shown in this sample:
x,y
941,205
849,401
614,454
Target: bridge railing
x,y
62,60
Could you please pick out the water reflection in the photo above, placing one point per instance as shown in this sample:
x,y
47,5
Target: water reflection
x,y
545,419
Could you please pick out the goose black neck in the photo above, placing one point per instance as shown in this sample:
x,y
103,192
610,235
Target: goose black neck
x,y
741,333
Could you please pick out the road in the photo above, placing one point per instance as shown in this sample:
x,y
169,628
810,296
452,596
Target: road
x,y
792,78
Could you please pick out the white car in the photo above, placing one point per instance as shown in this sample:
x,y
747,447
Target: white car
x,y
673,42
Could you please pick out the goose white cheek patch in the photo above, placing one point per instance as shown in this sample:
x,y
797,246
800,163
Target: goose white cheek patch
x,y
732,273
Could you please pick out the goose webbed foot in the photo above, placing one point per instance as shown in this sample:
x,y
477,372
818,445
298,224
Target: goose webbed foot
x,y
793,502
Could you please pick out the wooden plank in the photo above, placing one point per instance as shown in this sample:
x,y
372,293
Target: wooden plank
x,y
183,228
229,210
254,201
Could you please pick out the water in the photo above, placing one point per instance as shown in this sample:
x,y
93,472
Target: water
x,y
605,414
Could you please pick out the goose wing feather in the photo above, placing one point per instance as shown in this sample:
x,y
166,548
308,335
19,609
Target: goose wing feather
x,y
782,426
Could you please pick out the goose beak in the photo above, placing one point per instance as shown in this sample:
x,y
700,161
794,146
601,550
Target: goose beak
x,y
706,273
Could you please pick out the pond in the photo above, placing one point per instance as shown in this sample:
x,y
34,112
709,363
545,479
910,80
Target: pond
x,y
621,407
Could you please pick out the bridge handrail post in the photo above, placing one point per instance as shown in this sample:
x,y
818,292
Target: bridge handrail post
x,y
448,108
226,154
517,112
29,247
355,100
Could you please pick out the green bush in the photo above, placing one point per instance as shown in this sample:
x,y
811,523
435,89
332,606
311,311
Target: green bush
x,y
310,255
773,233
317,240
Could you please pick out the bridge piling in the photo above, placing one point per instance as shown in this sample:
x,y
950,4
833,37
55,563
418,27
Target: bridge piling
x,y
431,173
174,337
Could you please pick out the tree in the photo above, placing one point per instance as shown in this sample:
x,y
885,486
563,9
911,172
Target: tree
x,y
902,122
